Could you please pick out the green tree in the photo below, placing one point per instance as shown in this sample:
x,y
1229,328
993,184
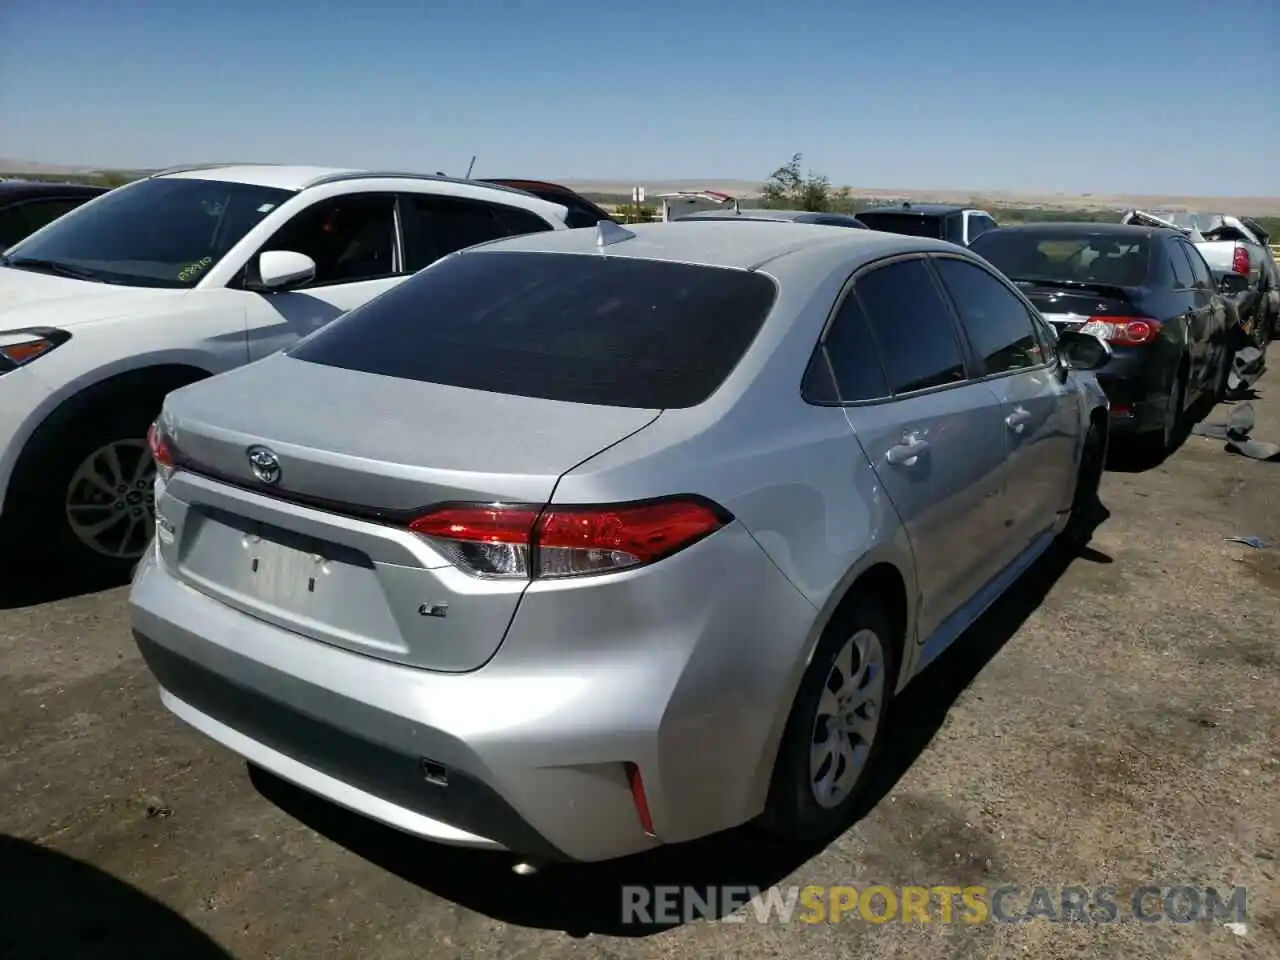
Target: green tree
x,y
790,187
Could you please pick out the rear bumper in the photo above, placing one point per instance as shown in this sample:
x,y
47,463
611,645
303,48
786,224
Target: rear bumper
x,y
688,675
1135,390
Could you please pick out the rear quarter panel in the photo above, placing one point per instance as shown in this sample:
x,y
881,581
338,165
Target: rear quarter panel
x,y
793,475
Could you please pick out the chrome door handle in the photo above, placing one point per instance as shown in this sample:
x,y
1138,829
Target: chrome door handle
x,y
1018,419
908,451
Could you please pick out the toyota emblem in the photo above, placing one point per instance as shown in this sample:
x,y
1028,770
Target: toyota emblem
x,y
264,464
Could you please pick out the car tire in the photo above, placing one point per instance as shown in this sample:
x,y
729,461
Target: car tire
x,y
77,478
1222,382
1161,442
1085,502
833,736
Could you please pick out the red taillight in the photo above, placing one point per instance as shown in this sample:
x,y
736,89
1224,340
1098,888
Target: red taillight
x,y
636,783
1240,260
498,540
161,450
1124,331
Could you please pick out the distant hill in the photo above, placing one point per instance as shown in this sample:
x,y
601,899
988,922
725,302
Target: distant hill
x,y
615,190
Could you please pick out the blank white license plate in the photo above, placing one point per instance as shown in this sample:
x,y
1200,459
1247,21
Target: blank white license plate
x,y
283,576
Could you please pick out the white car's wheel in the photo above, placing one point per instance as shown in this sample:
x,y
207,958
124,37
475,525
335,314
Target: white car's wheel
x,y
84,491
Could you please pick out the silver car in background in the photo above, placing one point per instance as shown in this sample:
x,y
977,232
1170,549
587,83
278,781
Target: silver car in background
x,y
583,542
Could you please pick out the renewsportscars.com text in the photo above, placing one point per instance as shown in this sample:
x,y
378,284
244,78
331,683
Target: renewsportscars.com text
x,y
1006,903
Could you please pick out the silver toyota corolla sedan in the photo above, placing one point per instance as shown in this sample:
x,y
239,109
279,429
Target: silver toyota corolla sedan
x,y
583,542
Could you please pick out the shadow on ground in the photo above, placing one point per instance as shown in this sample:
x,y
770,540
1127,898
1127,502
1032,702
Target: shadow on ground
x,y
53,907
582,899
23,585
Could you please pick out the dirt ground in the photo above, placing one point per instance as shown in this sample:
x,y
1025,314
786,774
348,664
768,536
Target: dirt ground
x,y
1111,723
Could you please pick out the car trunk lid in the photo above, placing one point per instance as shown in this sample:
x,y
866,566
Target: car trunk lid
x,y
1069,305
321,545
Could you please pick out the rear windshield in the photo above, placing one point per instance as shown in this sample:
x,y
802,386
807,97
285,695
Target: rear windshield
x,y
1118,260
580,328
911,224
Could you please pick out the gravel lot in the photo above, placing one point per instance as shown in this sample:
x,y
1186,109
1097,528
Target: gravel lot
x,y
1113,722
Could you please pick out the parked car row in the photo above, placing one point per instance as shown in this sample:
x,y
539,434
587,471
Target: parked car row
x,y
566,542
1149,293
1236,250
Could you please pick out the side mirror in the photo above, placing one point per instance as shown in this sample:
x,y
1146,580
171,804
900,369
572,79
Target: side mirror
x,y
1232,283
1083,351
281,270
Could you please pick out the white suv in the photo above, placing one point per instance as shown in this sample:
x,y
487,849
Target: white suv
x,y
182,275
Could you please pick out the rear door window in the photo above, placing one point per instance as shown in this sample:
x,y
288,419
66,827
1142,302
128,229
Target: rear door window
x,y
912,326
516,221
1183,278
852,362
579,214
616,331
997,323
436,226
1203,277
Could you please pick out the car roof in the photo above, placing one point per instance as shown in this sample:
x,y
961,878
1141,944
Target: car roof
x,y
298,178
716,243
761,213
30,189
1082,228
280,176
924,209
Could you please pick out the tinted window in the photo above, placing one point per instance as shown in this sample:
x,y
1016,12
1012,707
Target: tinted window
x,y
39,213
350,238
165,232
996,322
912,326
978,225
580,215
13,226
1183,278
911,224
838,222
1199,269
1119,259
953,229
516,221
436,226
618,331
852,355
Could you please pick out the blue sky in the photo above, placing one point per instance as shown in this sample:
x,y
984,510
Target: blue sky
x,y
1100,96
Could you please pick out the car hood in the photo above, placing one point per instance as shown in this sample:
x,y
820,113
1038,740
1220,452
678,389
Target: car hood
x,y
30,299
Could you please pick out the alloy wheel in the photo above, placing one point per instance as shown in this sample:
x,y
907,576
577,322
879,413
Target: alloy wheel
x,y
847,719
110,501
